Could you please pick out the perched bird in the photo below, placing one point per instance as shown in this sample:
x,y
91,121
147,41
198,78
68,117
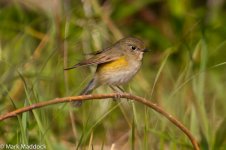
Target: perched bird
x,y
116,65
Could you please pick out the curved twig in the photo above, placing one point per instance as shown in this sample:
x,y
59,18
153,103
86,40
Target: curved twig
x,y
104,96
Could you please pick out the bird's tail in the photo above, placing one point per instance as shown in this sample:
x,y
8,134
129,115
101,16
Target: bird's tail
x,y
87,90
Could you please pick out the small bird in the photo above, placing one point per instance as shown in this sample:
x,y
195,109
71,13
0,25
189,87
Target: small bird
x,y
116,65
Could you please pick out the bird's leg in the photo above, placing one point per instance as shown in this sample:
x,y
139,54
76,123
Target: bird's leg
x,y
118,90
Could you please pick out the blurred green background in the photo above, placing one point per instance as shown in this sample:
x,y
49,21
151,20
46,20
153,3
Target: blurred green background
x,y
185,72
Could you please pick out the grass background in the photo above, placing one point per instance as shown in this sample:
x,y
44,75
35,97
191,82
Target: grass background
x,y
185,73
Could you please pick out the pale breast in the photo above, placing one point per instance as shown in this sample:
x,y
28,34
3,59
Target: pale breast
x,y
120,76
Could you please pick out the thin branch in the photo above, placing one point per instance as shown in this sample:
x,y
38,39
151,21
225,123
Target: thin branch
x,y
104,96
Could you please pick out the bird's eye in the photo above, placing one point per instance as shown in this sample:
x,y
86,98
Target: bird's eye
x,y
133,47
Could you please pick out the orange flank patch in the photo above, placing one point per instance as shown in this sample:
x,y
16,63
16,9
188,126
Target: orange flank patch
x,y
120,63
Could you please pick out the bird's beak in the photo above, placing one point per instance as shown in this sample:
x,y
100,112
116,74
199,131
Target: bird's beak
x,y
146,50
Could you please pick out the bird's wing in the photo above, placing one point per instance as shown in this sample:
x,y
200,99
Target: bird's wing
x,y
102,57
